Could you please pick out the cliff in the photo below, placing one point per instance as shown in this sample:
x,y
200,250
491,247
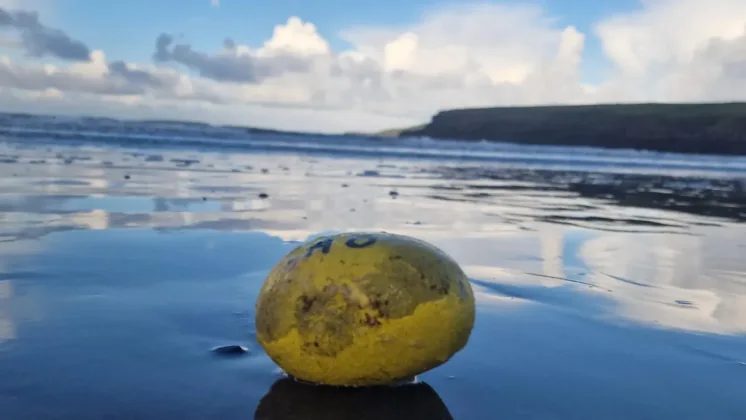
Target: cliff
x,y
683,128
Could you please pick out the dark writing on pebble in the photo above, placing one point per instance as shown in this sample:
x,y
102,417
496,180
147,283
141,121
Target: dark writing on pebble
x,y
324,245
361,241
356,241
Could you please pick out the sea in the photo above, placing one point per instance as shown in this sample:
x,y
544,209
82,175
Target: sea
x,y
610,284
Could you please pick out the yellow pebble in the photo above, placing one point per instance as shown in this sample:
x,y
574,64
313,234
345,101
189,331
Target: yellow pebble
x,y
360,309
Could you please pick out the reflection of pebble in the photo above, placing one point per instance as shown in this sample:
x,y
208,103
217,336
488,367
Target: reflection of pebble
x,y
231,350
291,399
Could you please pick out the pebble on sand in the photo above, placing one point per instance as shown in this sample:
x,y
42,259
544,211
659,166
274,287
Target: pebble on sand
x,y
230,350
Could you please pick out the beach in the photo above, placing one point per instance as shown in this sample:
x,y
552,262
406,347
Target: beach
x,y
609,284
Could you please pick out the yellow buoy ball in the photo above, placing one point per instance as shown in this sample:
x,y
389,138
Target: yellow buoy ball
x,y
358,309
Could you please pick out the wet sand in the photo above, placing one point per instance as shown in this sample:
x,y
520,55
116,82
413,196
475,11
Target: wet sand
x,y
601,294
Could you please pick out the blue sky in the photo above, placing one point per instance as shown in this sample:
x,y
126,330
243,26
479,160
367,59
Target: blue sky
x,y
344,65
251,21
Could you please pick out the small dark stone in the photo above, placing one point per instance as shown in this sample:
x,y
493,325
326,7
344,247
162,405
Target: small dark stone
x,y
345,185
230,350
204,198
265,170
393,194
127,177
263,195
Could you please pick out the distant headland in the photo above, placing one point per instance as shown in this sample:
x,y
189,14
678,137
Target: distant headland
x,y
716,128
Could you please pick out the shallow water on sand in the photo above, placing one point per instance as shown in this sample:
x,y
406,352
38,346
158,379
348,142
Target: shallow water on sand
x,y
600,295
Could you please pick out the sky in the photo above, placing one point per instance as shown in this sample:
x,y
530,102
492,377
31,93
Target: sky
x,y
339,65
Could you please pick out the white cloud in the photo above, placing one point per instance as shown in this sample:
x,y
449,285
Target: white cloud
x,y
675,50
454,56
295,37
502,42
39,40
669,31
716,71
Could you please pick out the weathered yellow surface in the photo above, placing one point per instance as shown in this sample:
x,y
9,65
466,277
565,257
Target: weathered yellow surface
x,y
364,309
